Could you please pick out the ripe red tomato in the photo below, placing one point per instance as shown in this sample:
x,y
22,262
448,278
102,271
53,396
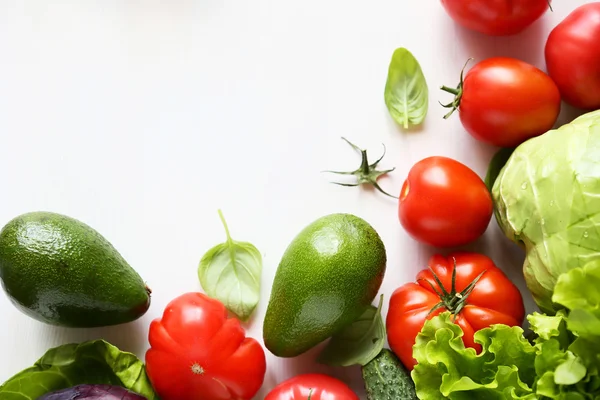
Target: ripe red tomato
x,y
504,101
313,387
444,203
493,300
495,17
196,352
573,57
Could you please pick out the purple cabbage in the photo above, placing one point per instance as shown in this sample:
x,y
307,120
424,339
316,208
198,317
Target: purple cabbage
x,y
93,392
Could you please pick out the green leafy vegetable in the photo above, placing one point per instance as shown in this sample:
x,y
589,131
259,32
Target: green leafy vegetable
x,y
386,378
406,92
359,343
547,198
230,272
579,291
446,369
496,164
366,173
563,362
93,362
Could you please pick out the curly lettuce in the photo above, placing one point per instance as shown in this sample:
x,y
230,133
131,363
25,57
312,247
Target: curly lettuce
x,y
547,199
447,370
562,361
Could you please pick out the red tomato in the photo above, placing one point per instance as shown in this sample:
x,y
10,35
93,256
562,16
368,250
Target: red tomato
x,y
444,203
313,386
495,17
493,300
573,57
504,101
196,352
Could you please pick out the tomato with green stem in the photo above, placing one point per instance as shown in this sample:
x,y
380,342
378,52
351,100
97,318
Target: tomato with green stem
x,y
313,387
197,352
504,101
496,17
468,285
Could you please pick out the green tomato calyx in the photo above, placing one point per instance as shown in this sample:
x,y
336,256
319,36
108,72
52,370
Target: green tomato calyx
x,y
452,301
457,92
366,173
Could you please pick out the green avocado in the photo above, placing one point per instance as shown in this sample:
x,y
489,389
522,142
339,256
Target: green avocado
x,y
328,275
60,271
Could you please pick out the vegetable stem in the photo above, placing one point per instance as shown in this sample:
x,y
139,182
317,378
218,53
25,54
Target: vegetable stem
x,y
452,301
364,164
225,226
450,90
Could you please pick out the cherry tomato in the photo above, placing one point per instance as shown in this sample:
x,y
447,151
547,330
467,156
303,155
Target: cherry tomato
x,y
196,352
495,17
313,387
444,203
504,101
573,57
493,300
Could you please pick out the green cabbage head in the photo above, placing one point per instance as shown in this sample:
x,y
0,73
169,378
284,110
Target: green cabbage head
x,y
547,198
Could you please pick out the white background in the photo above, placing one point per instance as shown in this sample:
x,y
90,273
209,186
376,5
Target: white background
x,y
142,118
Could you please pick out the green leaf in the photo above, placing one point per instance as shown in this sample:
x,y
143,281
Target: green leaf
x,y
496,164
570,371
567,366
406,92
446,369
230,272
93,362
578,291
358,343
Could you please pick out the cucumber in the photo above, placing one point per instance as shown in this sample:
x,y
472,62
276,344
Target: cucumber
x,y
386,378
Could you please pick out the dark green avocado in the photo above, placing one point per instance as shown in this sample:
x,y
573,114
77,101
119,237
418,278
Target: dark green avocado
x,y
328,275
60,271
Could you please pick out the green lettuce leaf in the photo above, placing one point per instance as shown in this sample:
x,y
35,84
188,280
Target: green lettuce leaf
x,y
578,291
566,365
93,362
446,369
563,362
569,343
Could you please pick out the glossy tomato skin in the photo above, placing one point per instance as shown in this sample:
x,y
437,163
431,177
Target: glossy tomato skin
x,y
495,300
444,203
506,101
573,57
318,386
197,352
495,17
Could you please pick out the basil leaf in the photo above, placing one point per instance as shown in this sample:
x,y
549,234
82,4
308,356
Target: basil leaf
x,y
93,362
230,272
406,91
359,343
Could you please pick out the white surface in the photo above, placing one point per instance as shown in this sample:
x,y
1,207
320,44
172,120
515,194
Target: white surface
x,y
142,118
